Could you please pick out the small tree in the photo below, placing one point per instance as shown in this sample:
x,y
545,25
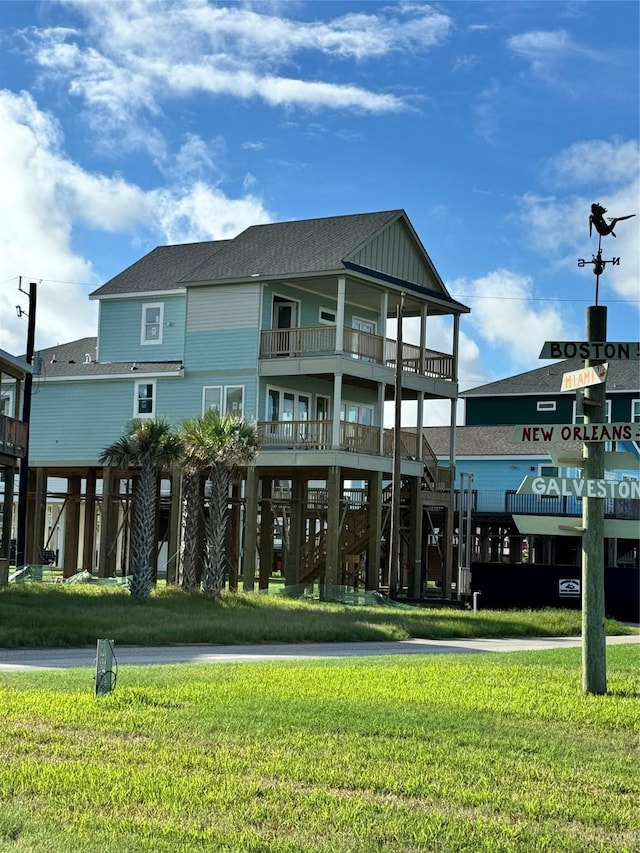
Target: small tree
x,y
150,445
220,445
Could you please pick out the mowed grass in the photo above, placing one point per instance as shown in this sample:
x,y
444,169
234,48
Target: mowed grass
x,y
39,615
445,753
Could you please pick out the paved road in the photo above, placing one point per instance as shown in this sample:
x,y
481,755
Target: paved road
x,y
34,659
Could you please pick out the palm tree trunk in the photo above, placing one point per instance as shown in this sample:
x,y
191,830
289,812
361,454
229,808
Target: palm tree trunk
x,y
190,515
216,530
143,534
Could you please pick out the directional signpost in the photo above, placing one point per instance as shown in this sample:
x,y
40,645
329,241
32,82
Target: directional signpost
x,y
579,487
576,379
612,350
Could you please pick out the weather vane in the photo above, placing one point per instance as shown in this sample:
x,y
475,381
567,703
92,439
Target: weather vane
x,y
604,227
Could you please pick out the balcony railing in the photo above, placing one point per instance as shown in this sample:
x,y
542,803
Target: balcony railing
x,y
13,437
317,435
321,340
498,501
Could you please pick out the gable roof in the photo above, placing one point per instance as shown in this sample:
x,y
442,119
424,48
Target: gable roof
x,y
621,376
159,270
381,245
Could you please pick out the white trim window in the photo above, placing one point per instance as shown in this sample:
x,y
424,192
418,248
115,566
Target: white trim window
x,y
145,399
6,403
635,411
152,323
327,316
579,419
546,406
223,398
356,413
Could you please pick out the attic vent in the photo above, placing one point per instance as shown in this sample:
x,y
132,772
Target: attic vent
x,y
87,358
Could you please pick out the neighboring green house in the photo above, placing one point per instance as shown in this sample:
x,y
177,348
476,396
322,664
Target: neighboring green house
x,y
285,325
484,448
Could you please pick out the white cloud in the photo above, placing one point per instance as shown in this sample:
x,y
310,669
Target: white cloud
x,y
132,56
46,195
545,50
505,315
594,163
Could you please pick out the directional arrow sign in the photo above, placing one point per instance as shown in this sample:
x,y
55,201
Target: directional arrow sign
x,y
582,378
611,350
578,488
558,433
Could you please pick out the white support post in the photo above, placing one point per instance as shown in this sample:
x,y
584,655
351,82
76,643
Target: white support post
x,y
337,400
340,316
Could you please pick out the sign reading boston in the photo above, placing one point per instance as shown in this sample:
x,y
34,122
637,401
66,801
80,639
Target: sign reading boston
x,y
550,433
578,487
612,350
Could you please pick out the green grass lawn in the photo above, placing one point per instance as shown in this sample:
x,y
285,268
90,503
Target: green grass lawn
x,y
446,753
40,615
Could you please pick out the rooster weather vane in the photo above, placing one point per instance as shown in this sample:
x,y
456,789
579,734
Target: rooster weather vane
x,y
604,227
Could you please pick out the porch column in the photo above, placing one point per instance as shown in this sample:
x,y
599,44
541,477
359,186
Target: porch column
x,y
7,510
266,533
108,524
295,530
334,494
31,553
232,543
173,534
250,529
89,526
337,400
340,316
375,530
423,367
381,388
415,538
71,527
384,312
39,515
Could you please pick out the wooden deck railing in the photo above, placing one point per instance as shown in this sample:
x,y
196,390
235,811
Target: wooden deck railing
x,y
13,437
321,340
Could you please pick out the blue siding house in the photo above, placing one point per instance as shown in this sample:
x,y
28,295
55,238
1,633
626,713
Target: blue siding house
x,y
284,325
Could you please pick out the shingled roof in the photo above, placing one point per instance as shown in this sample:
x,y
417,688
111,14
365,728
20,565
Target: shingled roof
x,y
288,248
482,441
77,359
621,376
160,270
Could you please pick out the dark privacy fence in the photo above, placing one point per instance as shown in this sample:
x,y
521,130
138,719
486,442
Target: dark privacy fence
x,y
528,585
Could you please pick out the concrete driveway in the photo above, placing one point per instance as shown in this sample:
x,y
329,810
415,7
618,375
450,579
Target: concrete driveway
x,y
35,659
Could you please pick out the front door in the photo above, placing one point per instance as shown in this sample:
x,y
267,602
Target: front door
x,y
285,317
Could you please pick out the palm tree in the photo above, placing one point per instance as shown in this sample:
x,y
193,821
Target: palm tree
x,y
151,445
194,463
221,445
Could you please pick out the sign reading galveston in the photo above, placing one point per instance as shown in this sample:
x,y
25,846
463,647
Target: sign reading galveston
x,y
557,433
578,487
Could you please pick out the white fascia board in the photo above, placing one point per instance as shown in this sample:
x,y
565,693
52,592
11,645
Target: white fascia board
x,y
142,294
130,374
523,457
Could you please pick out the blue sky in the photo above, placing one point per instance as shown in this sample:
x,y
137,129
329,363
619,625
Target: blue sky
x,y
494,125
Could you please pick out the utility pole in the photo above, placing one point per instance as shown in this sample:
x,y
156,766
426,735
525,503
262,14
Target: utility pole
x,y
594,645
26,417
396,482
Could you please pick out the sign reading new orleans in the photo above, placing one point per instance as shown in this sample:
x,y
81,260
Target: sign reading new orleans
x,y
577,487
612,350
550,433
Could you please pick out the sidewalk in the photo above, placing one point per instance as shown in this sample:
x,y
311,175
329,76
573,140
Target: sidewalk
x,y
37,659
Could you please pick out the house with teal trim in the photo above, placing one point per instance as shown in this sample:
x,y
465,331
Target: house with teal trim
x,y
286,325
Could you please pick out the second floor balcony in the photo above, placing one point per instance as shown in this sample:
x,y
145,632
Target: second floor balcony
x,y
323,340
